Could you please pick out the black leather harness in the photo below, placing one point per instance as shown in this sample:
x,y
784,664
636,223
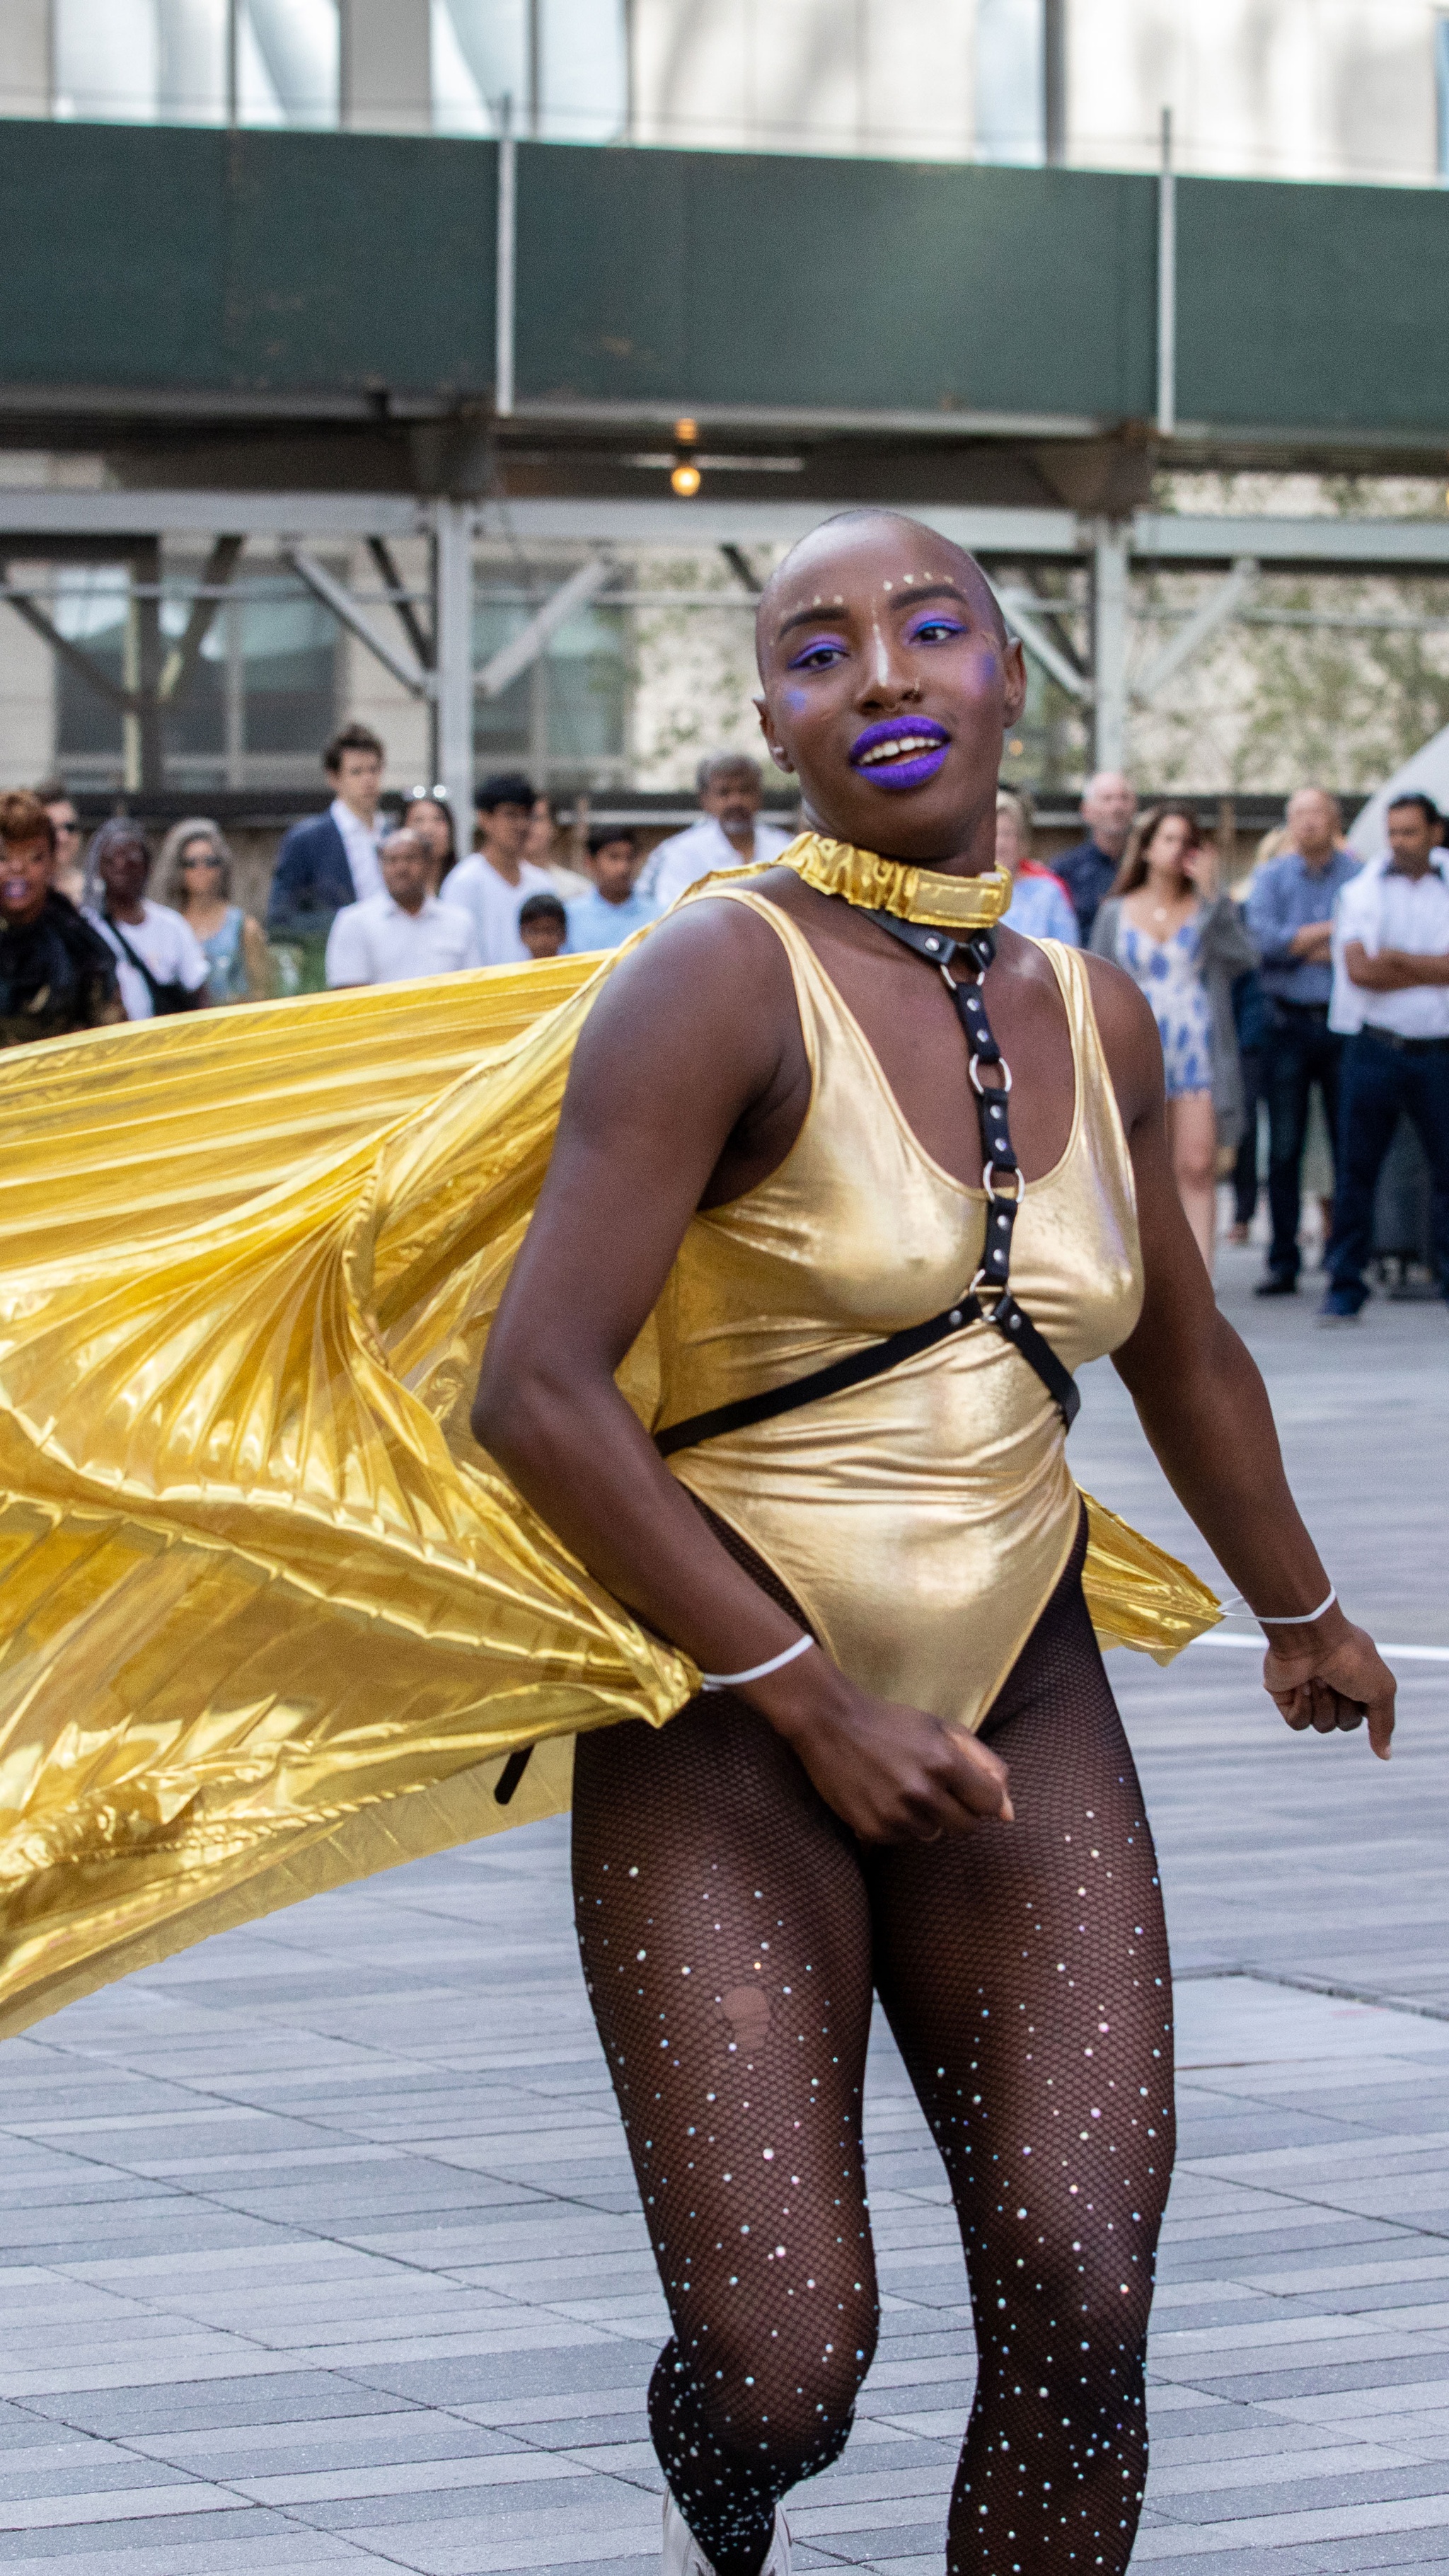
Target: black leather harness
x,y
988,1298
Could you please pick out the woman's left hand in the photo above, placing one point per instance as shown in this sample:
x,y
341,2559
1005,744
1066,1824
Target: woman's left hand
x,y
1334,1687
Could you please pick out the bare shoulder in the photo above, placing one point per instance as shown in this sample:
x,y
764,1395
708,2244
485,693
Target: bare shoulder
x,y
709,987
1129,1038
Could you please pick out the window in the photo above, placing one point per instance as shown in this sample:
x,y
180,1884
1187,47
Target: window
x,y
167,61
261,700
1441,92
566,716
562,63
1011,80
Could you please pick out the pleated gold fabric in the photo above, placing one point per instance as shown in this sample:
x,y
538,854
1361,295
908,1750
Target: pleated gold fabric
x,y
269,1620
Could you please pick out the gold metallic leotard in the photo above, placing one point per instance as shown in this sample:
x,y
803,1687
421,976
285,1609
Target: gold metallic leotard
x,y
922,1520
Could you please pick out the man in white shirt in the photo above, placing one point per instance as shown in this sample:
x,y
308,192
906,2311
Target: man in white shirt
x,y
493,885
403,931
727,835
160,964
1391,1003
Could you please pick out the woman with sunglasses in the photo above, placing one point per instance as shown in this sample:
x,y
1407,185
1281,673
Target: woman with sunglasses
x,y
69,876
196,868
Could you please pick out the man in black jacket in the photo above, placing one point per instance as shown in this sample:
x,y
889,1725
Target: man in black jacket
x,y
331,859
56,973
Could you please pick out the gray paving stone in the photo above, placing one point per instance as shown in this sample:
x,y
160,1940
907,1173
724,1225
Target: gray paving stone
x,y
327,2227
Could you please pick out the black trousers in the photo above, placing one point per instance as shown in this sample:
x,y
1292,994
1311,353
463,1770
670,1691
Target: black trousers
x,y
1381,1082
1299,1050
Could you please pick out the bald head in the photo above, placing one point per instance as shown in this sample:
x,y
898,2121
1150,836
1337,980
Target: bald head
x,y
1315,820
1109,802
804,577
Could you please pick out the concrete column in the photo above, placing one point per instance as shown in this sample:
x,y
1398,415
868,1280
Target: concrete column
x,y
1109,644
386,66
453,628
25,65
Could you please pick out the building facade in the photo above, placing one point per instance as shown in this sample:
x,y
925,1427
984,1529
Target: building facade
x,y
1281,89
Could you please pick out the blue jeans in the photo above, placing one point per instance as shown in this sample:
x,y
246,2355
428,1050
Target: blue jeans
x,y
1299,1049
1379,1081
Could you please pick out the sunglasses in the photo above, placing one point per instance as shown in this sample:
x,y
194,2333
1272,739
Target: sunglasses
x,y
203,859
426,796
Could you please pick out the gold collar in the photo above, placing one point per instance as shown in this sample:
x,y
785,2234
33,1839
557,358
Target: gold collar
x,y
886,885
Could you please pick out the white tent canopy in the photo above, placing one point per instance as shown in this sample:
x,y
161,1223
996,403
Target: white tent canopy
x,y
1425,772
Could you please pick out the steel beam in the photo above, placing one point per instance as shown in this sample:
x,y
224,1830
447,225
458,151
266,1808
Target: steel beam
x,y
1310,545
179,668
126,516
1324,544
64,650
1216,609
145,765
566,601
1020,608
453,641
1109,645
400,599
1052,535
344,608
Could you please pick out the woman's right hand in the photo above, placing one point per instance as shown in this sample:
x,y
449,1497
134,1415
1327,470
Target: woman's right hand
x,y
892,1773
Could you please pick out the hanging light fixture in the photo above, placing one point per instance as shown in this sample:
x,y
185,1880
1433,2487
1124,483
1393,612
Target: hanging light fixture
x,y
685,479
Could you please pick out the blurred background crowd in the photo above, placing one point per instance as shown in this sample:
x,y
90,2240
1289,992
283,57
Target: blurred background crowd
x,y
1302,1003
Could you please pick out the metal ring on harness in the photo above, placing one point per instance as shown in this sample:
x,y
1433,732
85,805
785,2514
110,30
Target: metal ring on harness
x,y
985,1090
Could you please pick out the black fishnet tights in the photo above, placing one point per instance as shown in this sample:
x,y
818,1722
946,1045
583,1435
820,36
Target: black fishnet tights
x,y
731,1930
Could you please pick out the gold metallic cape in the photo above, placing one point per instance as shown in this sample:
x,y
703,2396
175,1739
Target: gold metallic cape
x,y
269,1619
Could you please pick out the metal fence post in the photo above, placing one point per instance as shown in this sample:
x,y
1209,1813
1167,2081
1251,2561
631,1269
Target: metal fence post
x,y
453,629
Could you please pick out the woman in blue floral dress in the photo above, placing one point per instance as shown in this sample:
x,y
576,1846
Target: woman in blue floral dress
x,y
1182,942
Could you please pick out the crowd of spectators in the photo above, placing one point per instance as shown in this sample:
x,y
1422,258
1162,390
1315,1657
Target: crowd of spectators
x,y
1317,979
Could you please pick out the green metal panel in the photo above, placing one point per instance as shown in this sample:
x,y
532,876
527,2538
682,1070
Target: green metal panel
x,y
843,285
114,264
360,262
1312,306
309,265
280,263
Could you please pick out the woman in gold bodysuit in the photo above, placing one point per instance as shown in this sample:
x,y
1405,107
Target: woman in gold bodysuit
x,y
905,1771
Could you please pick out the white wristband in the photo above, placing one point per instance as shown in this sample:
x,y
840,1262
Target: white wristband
x,y
1297,1618
757,1672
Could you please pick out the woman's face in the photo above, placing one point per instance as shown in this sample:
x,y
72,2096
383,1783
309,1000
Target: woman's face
x,y
123,869
1170,851
200,871
887,685
426,818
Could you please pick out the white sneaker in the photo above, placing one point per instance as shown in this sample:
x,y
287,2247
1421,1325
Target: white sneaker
x,y
684,2557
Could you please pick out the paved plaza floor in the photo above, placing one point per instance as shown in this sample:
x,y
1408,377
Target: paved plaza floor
x,y
324,2246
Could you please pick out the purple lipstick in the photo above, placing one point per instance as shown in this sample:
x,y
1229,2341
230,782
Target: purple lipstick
x,y
905,751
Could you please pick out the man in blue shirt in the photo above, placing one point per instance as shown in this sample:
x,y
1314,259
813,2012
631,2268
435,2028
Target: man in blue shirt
x,y
1289,914
605,918
1088,870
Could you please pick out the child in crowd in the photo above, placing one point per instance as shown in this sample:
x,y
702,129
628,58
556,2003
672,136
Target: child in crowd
x,y
542,925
